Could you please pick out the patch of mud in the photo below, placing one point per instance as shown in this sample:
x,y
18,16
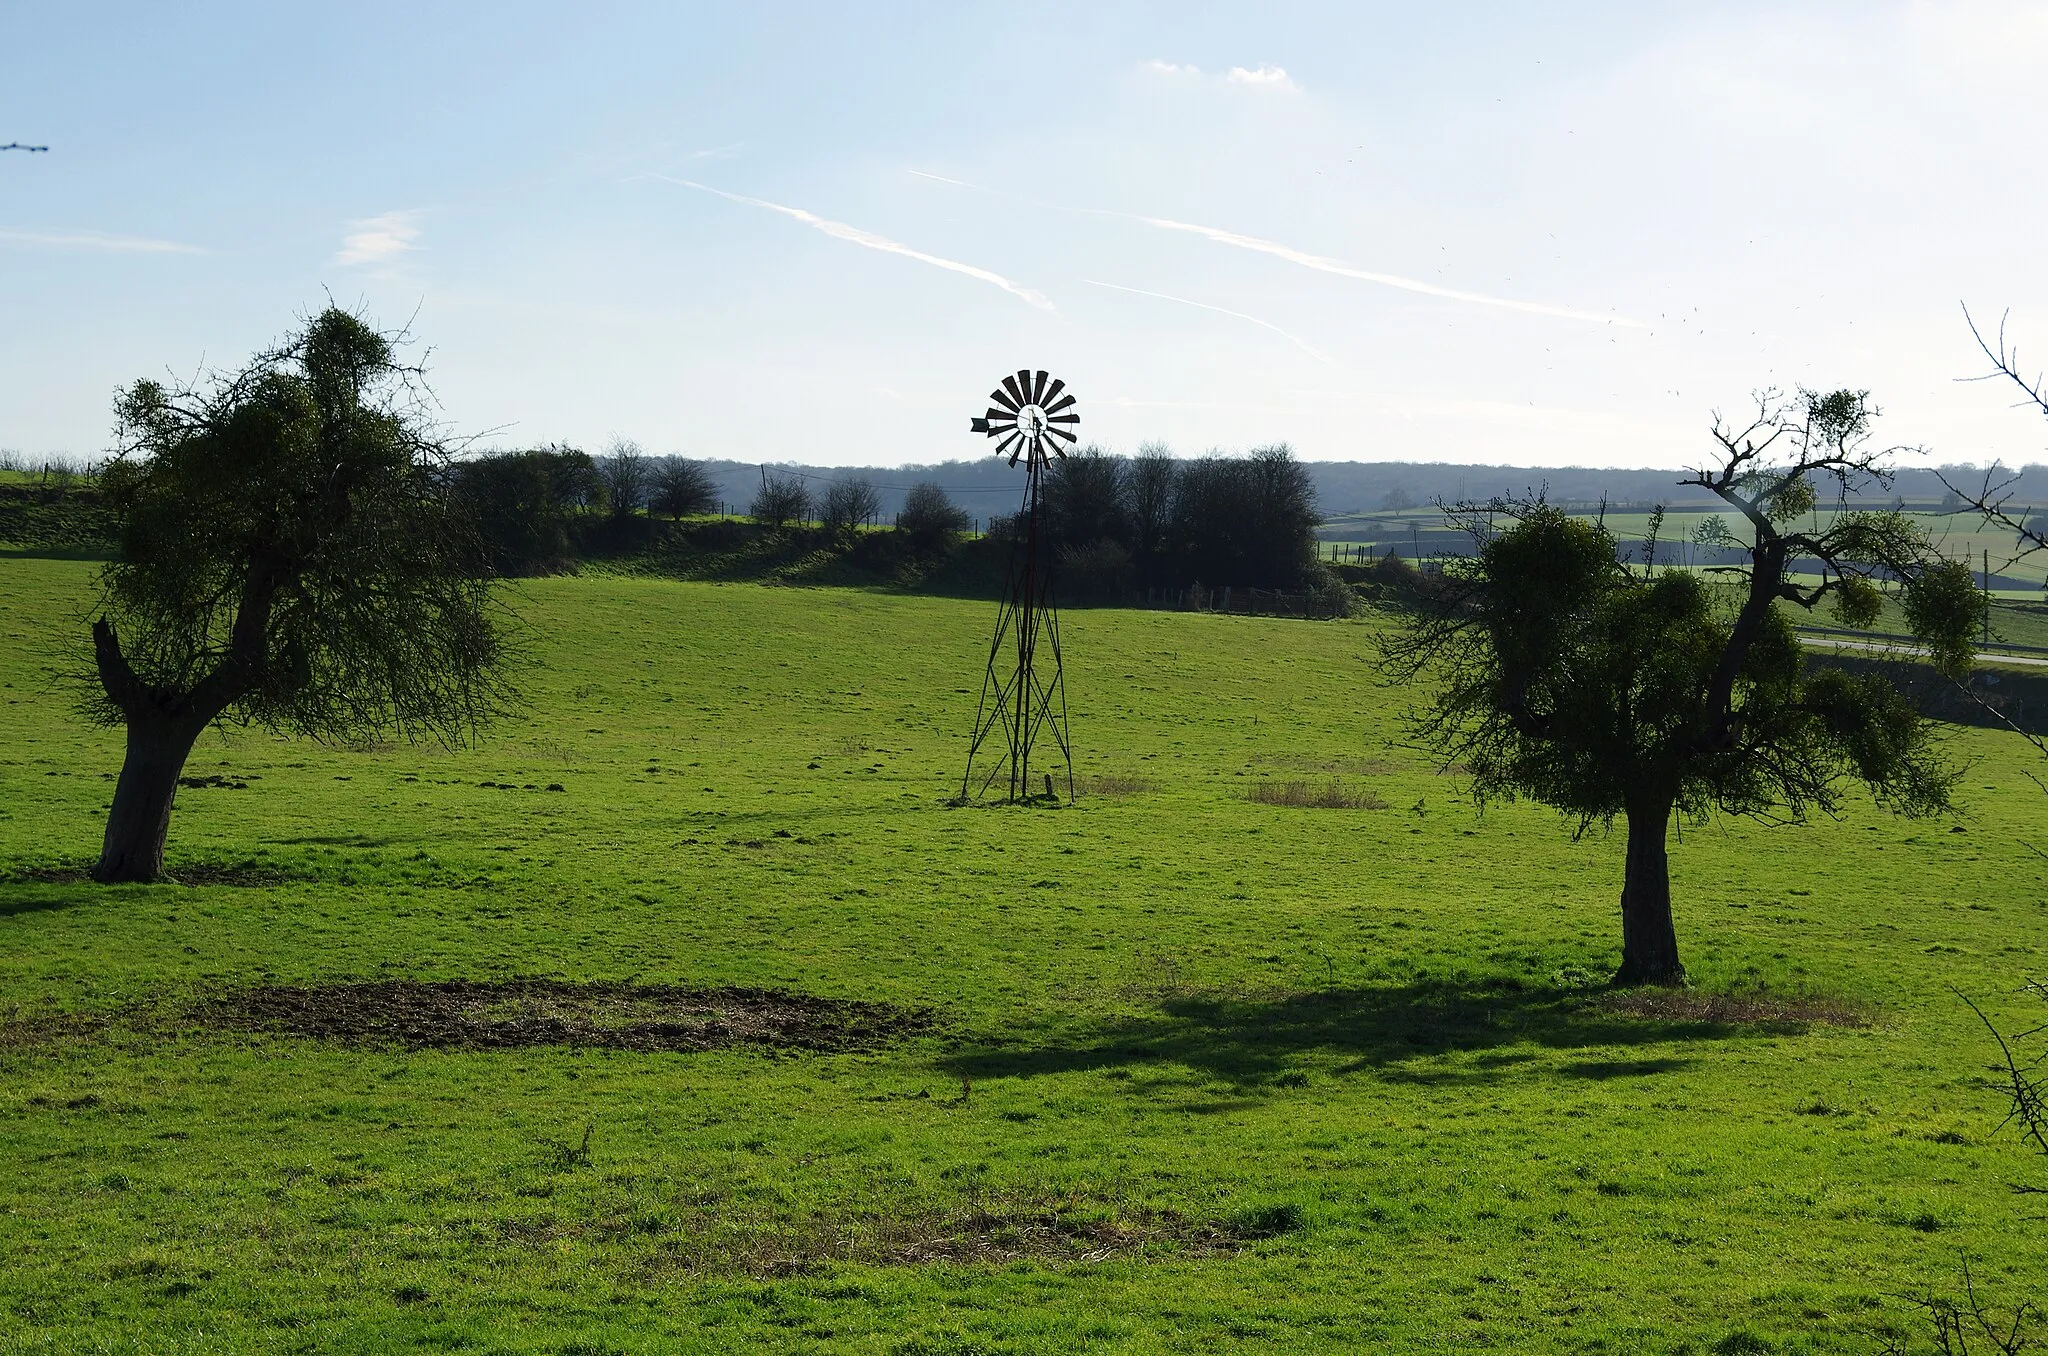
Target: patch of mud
x,y
458,1014
994,1232
48,1028
1736,1009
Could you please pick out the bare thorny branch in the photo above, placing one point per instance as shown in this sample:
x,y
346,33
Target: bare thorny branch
x,y
1956,1324
1992,497
2023,1087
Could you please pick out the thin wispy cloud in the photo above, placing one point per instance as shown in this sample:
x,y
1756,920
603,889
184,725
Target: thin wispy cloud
x,y
1261,77
839,230
1205,306
94,240
379,239
1344,270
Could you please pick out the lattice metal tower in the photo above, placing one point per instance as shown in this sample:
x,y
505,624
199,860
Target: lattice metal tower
x,y
1023,697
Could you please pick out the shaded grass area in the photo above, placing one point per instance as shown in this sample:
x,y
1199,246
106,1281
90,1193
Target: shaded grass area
x,y
1249,1041
1212,1074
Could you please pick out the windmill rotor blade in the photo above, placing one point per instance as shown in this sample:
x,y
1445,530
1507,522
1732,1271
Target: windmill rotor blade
x,y
1063,419
1052,393
996,416
1005,399
1016,392
1005,444
1062,433
1023,386
1059,405
1038,380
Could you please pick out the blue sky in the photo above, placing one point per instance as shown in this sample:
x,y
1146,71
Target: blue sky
x,y
1520,234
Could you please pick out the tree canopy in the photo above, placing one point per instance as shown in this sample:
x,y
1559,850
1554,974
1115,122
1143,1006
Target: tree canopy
x,y
290,555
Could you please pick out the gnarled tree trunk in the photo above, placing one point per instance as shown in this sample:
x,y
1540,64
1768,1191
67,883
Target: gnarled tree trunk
x,y
133,849
163,724
1649,940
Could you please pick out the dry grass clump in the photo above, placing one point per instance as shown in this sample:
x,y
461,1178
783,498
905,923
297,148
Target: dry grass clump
x,y
1757,1007
1330,795
1340,767
1111,784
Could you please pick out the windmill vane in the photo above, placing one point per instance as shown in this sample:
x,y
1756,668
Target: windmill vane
x,y
1031,416
1022,696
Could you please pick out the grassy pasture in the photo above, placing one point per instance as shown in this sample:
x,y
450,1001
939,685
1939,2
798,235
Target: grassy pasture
x,y
1208,1073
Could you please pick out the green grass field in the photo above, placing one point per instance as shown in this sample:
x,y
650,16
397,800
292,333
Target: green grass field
x,y
1206,1074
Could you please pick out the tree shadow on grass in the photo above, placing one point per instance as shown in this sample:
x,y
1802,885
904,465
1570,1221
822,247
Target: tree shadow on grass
x,y
1250,1041
15,903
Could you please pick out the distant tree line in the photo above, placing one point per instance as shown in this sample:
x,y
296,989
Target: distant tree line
x,y
1115,524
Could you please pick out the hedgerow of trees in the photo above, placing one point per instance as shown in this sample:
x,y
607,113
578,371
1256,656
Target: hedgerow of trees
x,y
521,505
623,469
1115,524
847,505
929,518
1152,521
682,489
781,501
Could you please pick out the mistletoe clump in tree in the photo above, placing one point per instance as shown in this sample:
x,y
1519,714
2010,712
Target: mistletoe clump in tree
x,y
1602,688
290,556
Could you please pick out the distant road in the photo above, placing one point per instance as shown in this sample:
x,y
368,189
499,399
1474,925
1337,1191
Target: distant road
x,y
1900,648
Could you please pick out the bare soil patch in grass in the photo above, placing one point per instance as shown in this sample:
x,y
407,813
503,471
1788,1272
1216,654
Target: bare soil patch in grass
x,y
1329,795
44,1028
459,1014
1756,1008
995,1230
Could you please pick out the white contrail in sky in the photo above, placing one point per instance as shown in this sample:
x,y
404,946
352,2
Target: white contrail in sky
x,y
958,183
1240,315
93,240
839,230
1325,265
1317,261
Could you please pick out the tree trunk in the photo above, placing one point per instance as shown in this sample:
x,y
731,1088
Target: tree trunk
x,y
1649,941
141,813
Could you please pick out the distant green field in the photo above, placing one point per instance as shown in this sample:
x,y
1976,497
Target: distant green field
x,y
1207,1075
1960,535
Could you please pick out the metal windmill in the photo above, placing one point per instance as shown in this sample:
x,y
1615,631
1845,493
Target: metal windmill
x,y
1022,698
